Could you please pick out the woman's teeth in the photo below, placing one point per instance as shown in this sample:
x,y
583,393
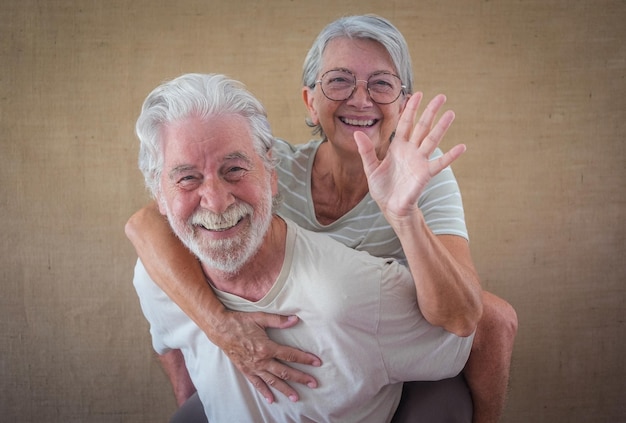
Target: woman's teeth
x,y
356,122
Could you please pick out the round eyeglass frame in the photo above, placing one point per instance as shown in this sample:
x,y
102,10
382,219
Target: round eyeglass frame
x,y
369,93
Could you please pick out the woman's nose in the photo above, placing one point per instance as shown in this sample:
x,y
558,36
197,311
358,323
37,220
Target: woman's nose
x,y
360,93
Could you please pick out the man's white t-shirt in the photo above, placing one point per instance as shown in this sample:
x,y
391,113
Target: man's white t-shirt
x,y
358,313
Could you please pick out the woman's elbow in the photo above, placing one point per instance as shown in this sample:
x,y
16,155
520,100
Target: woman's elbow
x,y
465,323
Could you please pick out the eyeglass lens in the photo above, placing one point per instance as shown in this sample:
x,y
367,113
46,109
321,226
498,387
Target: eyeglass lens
x,y
339,85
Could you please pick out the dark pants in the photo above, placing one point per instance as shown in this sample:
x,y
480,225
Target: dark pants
x,y
190,412
444,401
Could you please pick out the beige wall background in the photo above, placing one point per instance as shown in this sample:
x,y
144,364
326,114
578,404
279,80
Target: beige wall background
x,y
540,94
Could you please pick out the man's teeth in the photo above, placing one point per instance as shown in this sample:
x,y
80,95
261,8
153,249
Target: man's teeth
x,y
356,122
219,227
215,228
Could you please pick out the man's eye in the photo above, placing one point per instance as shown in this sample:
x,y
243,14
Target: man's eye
x,y
187,180
235,173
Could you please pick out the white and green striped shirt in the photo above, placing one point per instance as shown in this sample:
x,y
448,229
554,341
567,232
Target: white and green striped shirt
x,y
364,227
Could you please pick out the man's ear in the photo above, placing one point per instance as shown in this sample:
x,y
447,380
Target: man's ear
x,y
308,97
161,204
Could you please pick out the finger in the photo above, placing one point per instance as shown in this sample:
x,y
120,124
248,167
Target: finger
x,y
407,118
275,376
434,137
262,387
425,123
367,152
294,355
287,373
273,381
446,160
272,350
277,321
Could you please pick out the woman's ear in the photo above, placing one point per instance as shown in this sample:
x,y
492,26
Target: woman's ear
x,y
273,174
274,180
404,101
308,97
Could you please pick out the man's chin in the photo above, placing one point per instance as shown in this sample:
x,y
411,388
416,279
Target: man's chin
x,y
228,259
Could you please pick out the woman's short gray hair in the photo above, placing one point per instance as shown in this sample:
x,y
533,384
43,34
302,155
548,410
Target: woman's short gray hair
x,y
200,95
359,27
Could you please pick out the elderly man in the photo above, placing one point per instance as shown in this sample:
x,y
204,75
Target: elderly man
x,y
206,155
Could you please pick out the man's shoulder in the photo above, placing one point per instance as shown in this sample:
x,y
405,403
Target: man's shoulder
x,y
330,250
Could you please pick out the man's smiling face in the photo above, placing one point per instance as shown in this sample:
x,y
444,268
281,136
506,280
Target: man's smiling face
x,y
215,189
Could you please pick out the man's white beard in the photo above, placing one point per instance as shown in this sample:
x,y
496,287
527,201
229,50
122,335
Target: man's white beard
x,y
227,255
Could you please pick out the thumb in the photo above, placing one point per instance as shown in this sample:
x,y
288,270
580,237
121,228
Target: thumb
x,y
277,321
367,152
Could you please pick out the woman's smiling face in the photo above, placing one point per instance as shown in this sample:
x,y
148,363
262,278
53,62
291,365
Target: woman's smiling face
x,y
340,119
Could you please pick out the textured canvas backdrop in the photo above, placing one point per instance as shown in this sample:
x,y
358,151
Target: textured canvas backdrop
x,y
539,92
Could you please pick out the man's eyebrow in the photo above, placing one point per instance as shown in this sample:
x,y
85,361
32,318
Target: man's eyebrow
x,y
238,155
180,169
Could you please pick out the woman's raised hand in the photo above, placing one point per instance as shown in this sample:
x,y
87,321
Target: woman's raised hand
x,y
397,181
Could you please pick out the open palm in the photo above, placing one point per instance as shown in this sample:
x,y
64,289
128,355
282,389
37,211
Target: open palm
x,y
397,181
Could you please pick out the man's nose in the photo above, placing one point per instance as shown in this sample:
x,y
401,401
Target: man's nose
x,y
216,195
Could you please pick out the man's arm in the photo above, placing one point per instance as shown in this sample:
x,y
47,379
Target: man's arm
x,y
240,335
173,364
448,288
